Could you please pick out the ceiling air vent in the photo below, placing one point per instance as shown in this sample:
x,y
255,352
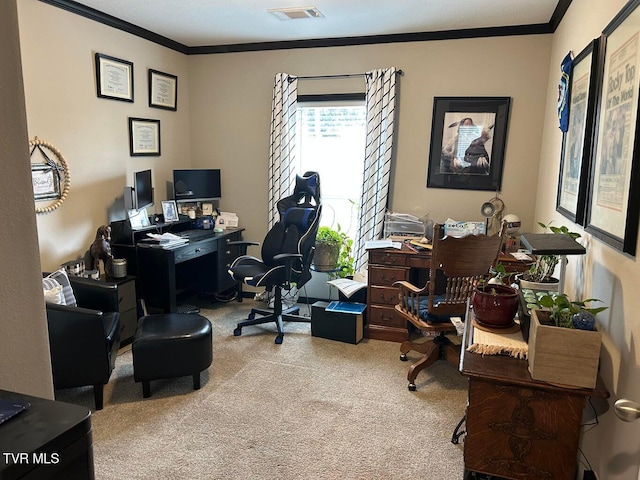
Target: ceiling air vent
x,y
296,13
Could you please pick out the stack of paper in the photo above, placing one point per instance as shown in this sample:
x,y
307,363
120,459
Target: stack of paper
x,y
168,240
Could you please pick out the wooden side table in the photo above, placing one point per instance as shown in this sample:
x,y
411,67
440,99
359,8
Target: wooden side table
x,y
519,428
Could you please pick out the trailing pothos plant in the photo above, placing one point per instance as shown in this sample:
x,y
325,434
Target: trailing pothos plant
x,y
564,312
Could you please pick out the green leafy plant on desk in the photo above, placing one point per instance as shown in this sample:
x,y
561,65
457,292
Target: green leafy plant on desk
x,y
564,312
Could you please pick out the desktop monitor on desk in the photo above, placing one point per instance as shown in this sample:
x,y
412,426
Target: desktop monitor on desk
x,y
138,198
196,185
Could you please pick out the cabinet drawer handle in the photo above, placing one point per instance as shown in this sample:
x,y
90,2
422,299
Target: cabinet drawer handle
x,y
392,278
197,250
228,252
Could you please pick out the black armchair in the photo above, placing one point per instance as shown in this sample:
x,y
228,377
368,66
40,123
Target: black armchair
x,y
84,339
287,253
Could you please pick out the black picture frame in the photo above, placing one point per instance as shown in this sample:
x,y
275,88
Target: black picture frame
x,y
485,123
144,137
114,78
614,199
163,90
575,160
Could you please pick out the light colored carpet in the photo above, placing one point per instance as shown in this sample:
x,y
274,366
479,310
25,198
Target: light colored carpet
x,y
310,408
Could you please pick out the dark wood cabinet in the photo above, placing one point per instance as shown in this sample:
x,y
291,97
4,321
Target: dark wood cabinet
x,y
48,441
115,291
519,428
387,266
198,266
383,322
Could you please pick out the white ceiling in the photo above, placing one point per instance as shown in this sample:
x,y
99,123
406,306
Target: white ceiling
x,y
224,22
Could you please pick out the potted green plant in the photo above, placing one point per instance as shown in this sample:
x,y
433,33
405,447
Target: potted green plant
x,y
494,305
334,252
328,243
540,274
564,343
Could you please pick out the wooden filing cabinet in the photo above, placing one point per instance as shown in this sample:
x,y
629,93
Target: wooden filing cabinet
x,y
518,428
387,266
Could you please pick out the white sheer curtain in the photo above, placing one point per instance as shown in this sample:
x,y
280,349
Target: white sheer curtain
x,y
381,107
282,146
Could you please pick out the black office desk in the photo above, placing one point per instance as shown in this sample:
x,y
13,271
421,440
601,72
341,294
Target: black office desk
x,y
198,266
50,440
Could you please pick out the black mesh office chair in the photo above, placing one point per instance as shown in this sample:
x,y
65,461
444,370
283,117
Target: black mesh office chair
x,y
287,253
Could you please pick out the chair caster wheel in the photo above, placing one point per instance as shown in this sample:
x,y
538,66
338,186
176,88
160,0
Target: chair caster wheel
x,y
412,387
403,357
237,332
278,340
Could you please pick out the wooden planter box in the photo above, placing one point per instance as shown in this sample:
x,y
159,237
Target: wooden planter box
x,y
565,356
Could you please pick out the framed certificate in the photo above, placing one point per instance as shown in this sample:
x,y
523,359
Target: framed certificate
x,y
144,137
114,78
163,90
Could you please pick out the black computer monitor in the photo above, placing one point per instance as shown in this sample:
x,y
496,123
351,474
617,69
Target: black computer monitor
x,y
142,189
196,185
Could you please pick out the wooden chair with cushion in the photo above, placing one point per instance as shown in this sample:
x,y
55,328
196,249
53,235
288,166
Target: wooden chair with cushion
x,y
457,264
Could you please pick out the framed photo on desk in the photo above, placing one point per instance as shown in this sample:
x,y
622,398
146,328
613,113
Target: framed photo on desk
x,y
170,211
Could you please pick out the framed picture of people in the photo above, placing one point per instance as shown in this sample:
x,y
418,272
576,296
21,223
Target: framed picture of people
x,y
576,141
468,136
614,203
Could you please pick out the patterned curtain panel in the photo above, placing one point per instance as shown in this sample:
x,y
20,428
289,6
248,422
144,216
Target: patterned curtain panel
x,y
381,108
282,145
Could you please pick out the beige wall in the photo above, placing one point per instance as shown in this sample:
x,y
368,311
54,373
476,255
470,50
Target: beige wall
x,y
24,354
92,133
231,108
613,448
224,104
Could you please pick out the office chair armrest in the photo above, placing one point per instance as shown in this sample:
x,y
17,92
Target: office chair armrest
x,y
287,260
410,287
242,245
287,256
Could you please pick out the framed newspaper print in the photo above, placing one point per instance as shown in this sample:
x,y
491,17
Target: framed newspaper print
x,y
577,140
614,194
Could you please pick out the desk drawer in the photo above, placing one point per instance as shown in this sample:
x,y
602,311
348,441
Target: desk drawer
x,y
381,315
386,276
195,250
383,295
387,258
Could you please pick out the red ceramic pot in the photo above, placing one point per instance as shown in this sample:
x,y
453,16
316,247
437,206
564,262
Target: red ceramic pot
x,y
495,306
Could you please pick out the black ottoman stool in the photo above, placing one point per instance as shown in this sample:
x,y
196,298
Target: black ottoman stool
x,y
171,345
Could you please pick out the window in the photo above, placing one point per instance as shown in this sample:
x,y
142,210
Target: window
x,y
331,135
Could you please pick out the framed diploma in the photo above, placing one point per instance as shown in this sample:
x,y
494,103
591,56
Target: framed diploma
x,y
114,78
163,90
614,203
144,137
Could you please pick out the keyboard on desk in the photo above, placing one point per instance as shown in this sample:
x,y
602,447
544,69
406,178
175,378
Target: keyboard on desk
x,y
195,235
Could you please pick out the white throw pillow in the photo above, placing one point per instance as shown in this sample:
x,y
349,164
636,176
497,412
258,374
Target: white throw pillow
x,y
52,291
60,276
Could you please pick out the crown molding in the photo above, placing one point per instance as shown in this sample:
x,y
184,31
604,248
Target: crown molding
x,y
111,21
